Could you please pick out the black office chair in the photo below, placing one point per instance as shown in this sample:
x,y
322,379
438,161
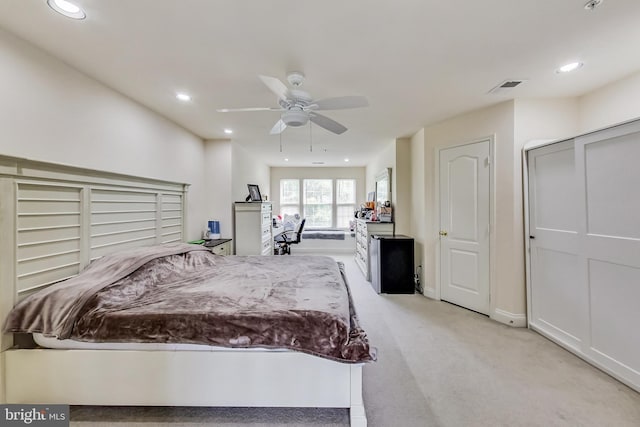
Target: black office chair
x,y
288,238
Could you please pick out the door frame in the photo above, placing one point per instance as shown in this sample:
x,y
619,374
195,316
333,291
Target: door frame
x,y
492,200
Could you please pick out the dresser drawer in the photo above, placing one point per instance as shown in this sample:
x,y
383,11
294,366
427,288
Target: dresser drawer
x,y
266,232
221,249
267,247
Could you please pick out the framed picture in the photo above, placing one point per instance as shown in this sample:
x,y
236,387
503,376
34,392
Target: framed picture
x,y
254,193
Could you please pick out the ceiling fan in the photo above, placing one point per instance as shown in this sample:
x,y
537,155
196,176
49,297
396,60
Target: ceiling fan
x,y
298,108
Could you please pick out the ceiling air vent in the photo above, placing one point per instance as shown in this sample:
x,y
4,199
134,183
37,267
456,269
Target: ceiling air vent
x,y
317,163
506,85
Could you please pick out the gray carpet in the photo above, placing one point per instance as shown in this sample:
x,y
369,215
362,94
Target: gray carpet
x,y
439,365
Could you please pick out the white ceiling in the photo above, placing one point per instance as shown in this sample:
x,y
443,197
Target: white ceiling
x,y
417,61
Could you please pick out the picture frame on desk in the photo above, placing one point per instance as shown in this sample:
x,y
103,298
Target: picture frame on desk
x,y
254,193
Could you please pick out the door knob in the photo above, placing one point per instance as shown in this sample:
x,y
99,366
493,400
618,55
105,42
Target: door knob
x,y
443,232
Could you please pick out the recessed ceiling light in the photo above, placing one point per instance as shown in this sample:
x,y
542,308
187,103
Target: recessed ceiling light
x,y
569,67
346,159
286,160
592,4
183,96
228,131
67,9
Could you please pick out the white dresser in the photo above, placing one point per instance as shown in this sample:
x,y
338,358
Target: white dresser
x,y
364,230
253,235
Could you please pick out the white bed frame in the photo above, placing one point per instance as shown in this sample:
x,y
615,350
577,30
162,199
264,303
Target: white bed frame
x,y
184,378
154,378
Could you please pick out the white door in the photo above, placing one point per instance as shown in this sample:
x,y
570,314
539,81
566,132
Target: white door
x,y
464,225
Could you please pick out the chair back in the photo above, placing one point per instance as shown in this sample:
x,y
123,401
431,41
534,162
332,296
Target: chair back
x,y
299,232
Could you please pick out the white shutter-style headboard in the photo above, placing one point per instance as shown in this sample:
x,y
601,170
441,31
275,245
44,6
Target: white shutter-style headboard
x,y
54,220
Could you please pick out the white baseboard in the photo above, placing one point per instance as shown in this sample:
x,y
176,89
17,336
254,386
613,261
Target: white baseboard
x,y
510,319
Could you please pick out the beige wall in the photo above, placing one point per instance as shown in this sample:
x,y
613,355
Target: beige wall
x,y
417,206
507,284
247,169
51,112
397,156
277,173
611,104
384,159
401,187
513,124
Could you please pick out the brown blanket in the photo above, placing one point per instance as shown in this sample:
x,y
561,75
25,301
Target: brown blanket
x,y
182,293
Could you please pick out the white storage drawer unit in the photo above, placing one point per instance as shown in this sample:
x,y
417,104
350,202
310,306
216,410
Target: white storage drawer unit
x,y
253,233
364,230
583,237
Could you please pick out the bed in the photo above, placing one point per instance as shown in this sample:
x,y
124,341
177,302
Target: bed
x,y
56,221
206,330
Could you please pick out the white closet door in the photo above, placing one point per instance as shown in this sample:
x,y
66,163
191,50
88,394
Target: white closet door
x,y
557,292
584,240
610,180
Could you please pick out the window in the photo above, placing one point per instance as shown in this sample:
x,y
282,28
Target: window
x,y
289,196
325,203
317,202
345,201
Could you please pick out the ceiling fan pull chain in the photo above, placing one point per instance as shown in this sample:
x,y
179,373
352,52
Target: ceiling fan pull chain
x,y
280,141
310,139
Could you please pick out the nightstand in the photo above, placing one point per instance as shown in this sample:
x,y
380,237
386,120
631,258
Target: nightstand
x,y
219,246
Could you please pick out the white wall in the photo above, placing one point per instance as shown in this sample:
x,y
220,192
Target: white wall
x,y
278,173
51,112
218,200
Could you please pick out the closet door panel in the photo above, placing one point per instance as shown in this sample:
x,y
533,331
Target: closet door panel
x,y
554,189
612,178
558,297
614,294
611,248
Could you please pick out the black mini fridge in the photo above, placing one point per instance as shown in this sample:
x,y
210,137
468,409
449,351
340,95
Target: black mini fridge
x,y
392,264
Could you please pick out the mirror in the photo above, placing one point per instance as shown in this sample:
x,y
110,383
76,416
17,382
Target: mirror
x,y
383,186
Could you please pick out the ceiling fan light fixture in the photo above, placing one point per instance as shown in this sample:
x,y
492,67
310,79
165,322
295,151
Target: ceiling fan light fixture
x,y
295,78
295,118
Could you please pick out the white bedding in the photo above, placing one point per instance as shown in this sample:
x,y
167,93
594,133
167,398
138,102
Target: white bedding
x,y
52,342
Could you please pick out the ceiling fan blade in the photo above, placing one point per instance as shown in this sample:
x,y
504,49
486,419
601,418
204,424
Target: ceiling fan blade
x,y
235,110
279,127
276,86
327,123
341,103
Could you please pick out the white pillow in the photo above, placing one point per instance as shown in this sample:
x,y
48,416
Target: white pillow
x,y
291,222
